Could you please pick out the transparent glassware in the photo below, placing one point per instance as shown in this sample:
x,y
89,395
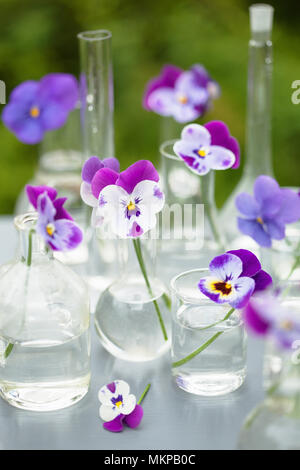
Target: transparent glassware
x,y
190,231
282,261
97,131
44,328
208,342
133,317
275,423
258,157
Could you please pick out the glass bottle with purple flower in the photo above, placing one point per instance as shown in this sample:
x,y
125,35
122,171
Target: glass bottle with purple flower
x,y
275,423
132,316
44,321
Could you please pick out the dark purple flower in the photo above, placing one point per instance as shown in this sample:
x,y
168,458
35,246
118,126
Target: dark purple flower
x,y
184,95
37,107
265,214
209,147
234,277
54,223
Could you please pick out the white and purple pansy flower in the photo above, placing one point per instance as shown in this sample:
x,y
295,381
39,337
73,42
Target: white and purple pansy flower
x,y
184,95
265,315
36,107
234,277
119,406
128,201
265,214
208,147
54,223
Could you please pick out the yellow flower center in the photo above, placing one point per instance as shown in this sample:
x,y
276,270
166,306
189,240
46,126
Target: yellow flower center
x,y
131,206
118,404
260,220
34,112
224,288
287,325
182,99
201,153
50,229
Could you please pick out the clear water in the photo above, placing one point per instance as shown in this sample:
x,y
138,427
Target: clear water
x,y
46,375
127,323
221,367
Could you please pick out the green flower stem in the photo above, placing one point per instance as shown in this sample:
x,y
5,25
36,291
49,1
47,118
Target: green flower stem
x,y
144,394
8,350
139,255
208,342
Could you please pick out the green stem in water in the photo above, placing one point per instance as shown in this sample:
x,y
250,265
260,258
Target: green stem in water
x,y
207,343
138,251
144,394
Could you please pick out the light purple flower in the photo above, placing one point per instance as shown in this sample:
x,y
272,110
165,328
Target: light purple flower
x,y
266,315
234,277
54,223
118,406
128,201
184,95
36,107
205,148
265,214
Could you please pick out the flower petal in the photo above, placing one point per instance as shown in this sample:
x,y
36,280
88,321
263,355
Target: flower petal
x,y
29,131
290,207
161,101
108,412
251,264
135,417
226,267
67,235
112,163
60,88
254,321
167,79
255,230
275,229
207,286
139,171
115,425
243,289
61,212
262,280
53,116
220,158
186,84
129,404
33,192
102,178
268,195
247,206
26,91
90,168
197,135
220,135
87,195
122,388
185,112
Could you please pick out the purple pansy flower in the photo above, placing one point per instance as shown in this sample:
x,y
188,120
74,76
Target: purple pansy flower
x,y
209,147
184,95
265,214
265,315
128,201
54,223
118,406
234,277
36,107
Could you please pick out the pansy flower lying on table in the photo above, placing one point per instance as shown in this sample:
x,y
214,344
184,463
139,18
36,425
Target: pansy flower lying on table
x,y
54,224
234,278
119,406
37,107
264,215
184,95
266,316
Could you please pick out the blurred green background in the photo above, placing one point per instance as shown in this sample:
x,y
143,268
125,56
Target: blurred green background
x,y
38,37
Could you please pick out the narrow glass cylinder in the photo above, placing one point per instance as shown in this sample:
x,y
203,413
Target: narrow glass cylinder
x,y
208,340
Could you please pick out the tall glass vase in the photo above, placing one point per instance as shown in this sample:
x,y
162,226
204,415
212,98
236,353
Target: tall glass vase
x,y
258,124
44,327
97,107
133,315
190,231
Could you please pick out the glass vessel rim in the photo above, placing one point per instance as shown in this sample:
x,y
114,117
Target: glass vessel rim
x,y
95,35
26,222
165,153
189,298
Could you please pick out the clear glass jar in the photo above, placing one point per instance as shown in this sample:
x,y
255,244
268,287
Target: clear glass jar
x,y
275,423
208,352
44,328
282,261
130,312
190,234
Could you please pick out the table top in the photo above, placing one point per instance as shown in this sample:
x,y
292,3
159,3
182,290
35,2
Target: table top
x,y
173,419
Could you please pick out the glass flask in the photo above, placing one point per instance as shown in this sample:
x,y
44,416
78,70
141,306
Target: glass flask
x,y
132,317
208,340
258,158
282,261
44,327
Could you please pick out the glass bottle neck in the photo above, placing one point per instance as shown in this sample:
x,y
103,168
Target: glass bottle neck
x,y
135,256
31,245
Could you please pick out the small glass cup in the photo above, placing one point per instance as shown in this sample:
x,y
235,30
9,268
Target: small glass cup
x,y
282,261
208,340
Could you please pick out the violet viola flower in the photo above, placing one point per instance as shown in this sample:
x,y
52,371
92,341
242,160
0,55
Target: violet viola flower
x,y
118,406
264,215
184,95
209,147
36,107
128,201
54,223
265,315
235,276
